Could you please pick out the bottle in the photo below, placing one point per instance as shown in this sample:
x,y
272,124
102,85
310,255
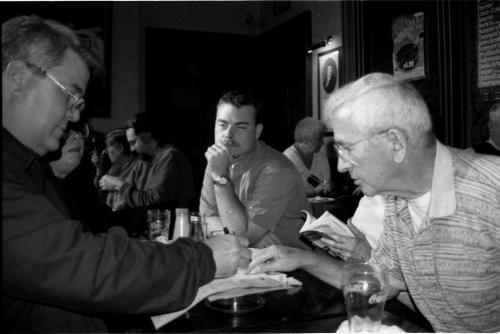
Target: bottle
x,y
195,227
181,228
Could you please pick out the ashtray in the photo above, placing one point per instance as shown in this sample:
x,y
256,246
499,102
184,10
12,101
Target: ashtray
x,y
237,305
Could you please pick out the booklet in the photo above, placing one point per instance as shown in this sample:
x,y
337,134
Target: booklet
x,y
323,227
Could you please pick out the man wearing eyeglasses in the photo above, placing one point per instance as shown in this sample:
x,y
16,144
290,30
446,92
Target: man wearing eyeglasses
x,y
56,277
441,238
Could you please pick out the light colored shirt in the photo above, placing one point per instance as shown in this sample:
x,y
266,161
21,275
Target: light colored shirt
x,y
369,218
451,265
319,167
270,189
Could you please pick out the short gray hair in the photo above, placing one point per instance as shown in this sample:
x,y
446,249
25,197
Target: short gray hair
x,y
378,102
41,42
308,128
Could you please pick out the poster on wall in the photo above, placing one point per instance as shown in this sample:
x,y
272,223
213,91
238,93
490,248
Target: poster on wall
x,y
408,56
488,50
328,79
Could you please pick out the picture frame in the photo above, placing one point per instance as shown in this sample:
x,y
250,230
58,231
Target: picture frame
x,y
329,78
408,40
280,7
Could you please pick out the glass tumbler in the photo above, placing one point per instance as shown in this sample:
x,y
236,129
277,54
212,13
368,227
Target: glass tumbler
x,y
365,289
158,223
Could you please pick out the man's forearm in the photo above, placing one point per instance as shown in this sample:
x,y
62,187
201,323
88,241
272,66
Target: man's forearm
x,y
326,269
231,211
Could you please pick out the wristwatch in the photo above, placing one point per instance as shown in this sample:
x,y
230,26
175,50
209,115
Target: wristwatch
x,y
221,180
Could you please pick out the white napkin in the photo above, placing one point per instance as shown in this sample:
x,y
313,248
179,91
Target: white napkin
x,y
344,328
238,282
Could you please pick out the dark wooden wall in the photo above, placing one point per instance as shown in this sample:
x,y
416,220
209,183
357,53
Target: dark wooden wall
x,y
450,35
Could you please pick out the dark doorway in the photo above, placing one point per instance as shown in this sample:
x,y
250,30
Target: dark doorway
x,y
283,83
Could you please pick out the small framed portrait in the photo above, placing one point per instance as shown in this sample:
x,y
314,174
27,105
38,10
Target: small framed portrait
x,y
328,77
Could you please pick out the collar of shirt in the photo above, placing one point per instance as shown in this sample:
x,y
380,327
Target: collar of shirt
x,y
443,201
17,155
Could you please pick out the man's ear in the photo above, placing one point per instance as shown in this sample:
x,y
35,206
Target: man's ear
x,y
16,75
258,130
399,144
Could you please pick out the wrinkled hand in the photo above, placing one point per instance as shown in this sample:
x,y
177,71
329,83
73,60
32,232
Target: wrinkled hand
x,y
110,183
230,252
218,158
279,258
349,248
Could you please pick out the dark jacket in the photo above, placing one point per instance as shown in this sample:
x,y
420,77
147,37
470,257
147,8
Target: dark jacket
x,y
58,278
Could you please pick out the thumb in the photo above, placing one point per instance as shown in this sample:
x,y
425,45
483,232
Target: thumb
x,y
355,230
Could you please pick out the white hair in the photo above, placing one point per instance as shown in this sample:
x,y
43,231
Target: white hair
x,y
378,102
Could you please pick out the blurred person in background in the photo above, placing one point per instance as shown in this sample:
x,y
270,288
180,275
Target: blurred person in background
x,y
75,177
164,181
307,156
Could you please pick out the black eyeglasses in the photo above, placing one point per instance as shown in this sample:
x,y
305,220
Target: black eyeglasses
x,y
74,103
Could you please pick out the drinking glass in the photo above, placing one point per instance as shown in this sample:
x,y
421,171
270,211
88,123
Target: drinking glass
x,y
365,288
158,223
327,188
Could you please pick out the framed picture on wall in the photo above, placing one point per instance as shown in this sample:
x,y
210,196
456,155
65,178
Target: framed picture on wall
x,y
408,55
328,78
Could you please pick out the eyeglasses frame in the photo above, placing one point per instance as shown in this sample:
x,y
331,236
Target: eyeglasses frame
x,y
79,102
344,151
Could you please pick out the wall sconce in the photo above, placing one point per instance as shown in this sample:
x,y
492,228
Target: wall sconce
x,y
327,41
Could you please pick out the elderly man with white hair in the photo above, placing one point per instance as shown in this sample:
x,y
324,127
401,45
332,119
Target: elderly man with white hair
x,y
441,238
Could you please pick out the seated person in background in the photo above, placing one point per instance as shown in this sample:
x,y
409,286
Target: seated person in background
x,y
307,156
125,165
166,181
57,278
250,188
441,236
492,145
81,198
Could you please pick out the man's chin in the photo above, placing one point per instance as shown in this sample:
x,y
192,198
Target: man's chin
x,y
367,190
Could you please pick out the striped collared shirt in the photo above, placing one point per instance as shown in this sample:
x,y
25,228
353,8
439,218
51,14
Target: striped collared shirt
x,y
451,266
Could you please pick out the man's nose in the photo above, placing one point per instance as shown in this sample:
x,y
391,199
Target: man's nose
x,y
343,165
229,132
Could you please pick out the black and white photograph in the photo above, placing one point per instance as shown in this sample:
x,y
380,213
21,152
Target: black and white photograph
x,y
251,166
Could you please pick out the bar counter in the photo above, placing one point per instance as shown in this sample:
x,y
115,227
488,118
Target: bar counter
x,y
313,307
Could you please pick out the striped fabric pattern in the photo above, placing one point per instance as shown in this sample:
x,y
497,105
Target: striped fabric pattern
x,y
451,267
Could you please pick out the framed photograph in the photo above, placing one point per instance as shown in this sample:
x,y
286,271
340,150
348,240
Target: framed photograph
x,y
280,7
329,77
408,55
